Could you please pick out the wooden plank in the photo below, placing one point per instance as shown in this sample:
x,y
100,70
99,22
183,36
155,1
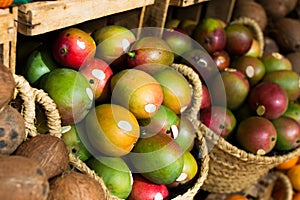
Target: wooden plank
x,y
192,12
45,16
128,19
156,15
6,27
221,9
184,3
8,37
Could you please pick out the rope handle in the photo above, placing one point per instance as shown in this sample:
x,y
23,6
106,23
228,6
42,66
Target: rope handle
x,y
258,33
193,78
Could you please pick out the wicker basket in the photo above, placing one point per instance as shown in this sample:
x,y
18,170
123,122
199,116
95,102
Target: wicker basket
x,y
274,185
30,96
232,169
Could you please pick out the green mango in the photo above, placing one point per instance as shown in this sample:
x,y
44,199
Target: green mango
x,y
39,62
275,61
158,158
74,143
115,173
70,91
293,111
287,79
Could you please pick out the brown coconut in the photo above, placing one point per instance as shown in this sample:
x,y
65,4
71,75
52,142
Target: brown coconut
x,y
252,10
49,151
295,60
276,9
22,179
76,186
270,46
286,34
7,86
12,130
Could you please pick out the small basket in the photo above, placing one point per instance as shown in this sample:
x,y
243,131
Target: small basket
x,y
256,30
273,185
232,169
30,96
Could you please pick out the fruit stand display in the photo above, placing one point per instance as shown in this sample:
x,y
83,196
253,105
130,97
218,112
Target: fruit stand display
x,y
155,99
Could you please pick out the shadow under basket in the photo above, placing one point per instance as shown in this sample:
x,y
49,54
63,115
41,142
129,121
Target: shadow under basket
x,y
232,169
31,97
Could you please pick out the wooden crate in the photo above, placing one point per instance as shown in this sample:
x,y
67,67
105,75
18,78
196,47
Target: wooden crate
x,y
221,9
8,37
44,16
158,13
184,3
161,11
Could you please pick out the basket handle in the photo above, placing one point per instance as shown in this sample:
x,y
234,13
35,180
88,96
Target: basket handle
x,y
253,25
24,90
52,114
193,78
30,96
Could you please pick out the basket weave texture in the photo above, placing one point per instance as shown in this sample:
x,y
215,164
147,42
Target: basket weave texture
x,y
31,96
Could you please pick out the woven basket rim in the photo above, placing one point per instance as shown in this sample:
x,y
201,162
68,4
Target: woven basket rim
x,y
194,79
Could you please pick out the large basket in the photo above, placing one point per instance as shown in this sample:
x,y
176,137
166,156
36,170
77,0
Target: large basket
x,y
32,96
232,169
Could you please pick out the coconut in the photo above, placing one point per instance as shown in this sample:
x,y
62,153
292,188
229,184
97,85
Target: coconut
x,y
12,130
270,46
252,10
7,88
276,9
22,179
75,185
286,33
49,151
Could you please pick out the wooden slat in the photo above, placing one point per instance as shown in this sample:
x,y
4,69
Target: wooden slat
x,y
221,9
8,37
6,27
192,12
156,15
45,16
184,3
